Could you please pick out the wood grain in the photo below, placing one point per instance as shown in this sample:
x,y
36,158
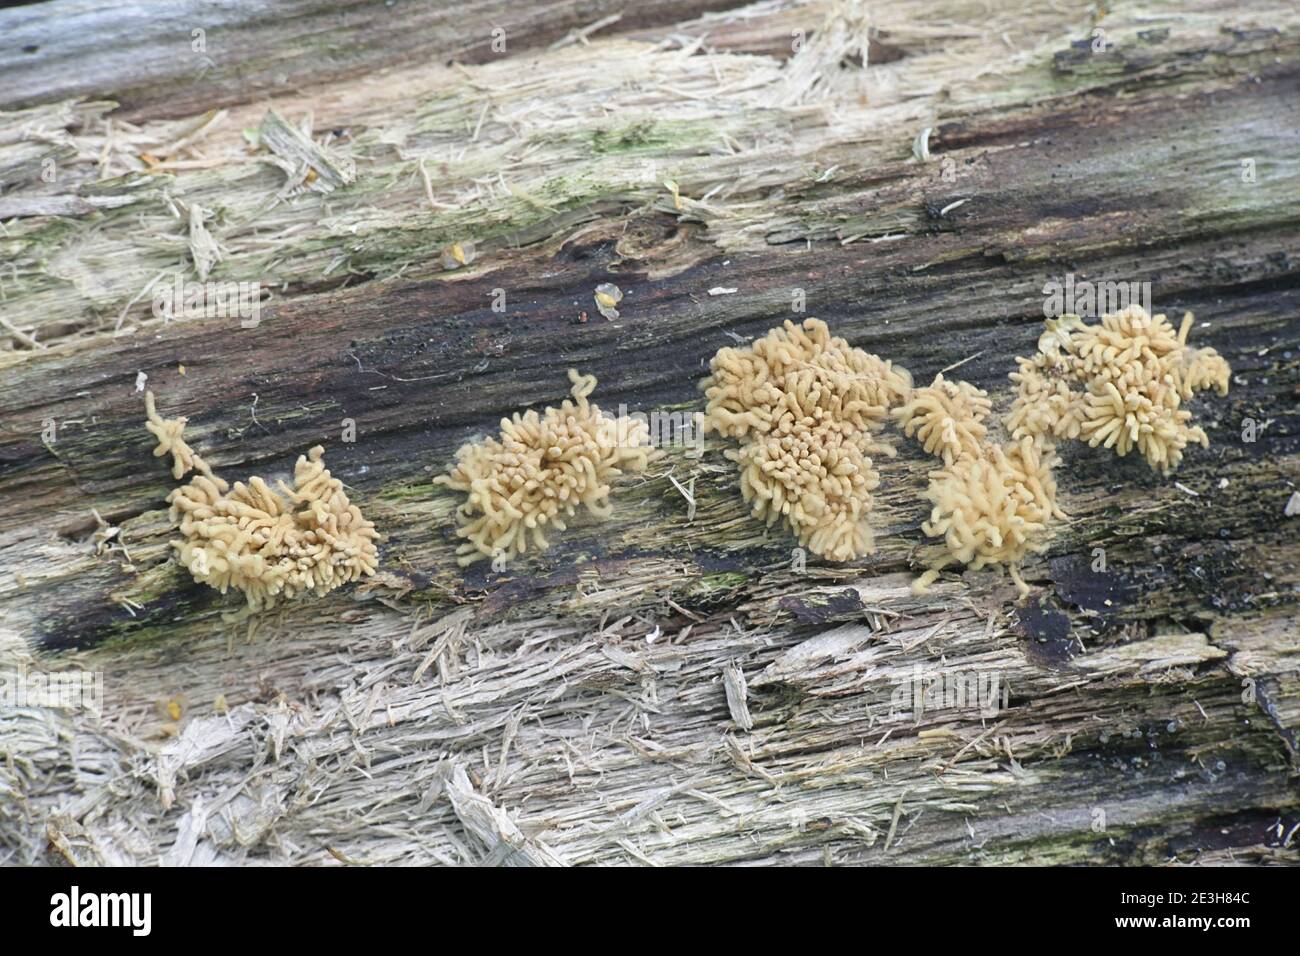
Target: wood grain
x,y
585,706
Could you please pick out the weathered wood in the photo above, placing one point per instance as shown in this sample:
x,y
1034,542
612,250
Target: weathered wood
x,y
184,56
585,705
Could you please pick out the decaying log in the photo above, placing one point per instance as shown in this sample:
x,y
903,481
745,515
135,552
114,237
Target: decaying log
x,y
672,685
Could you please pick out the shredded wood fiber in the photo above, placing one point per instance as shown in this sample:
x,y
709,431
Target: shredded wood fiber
x,y
253,539
992,504
806,407
540,470
1118,384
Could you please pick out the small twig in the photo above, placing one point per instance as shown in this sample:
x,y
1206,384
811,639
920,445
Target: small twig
x,y
969,358
20,335
136,298
893,824
580,35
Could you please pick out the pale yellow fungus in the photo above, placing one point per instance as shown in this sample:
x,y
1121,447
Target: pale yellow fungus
x,y
1119,384
169,432
540,471
806,407
991,504
947,418
676,190
252,539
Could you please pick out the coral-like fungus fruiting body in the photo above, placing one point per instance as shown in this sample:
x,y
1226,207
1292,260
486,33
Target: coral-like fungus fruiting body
x,y
540,471
170,435
947,418
993,506
1119,384
806,407
253,539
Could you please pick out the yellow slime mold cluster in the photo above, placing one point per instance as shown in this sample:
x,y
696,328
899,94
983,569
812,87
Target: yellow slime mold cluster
x,y
1119,384
311,539
806,407
540,471
947,418
991,504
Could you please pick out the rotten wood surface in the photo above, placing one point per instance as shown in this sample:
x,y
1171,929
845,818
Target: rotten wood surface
x,y
184,56
664,687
